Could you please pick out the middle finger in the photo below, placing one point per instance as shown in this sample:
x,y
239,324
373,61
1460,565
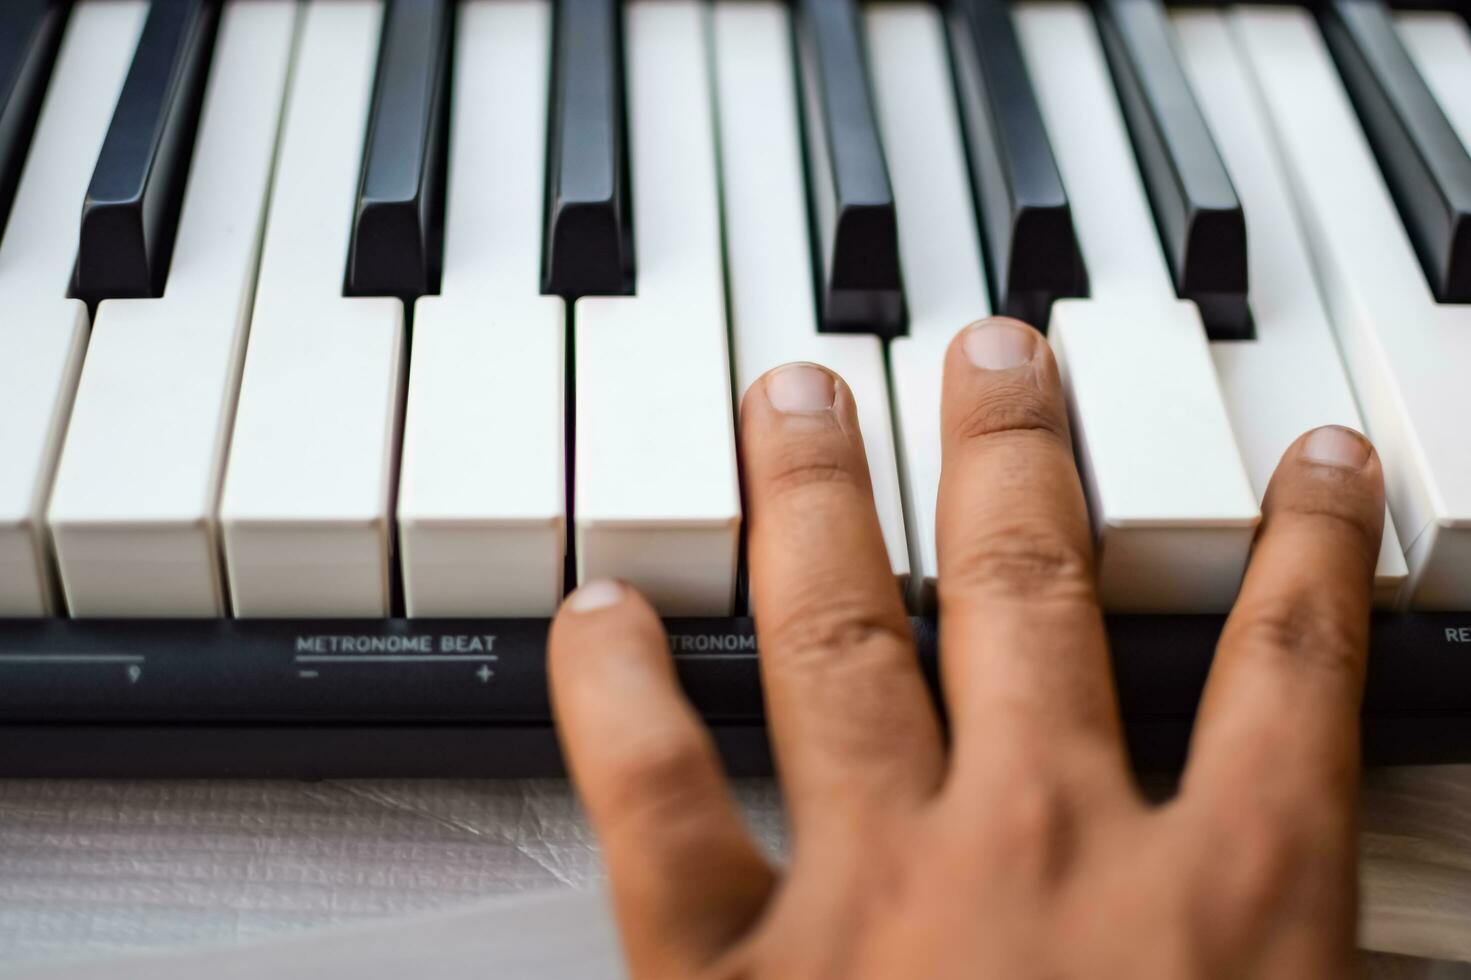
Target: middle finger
x,y
1024,656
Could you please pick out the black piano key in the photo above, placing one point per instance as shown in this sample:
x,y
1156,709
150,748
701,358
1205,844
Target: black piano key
x,y
1199,216
1425,164
30,33
856,234
588,239
398,226
131,211
1027,225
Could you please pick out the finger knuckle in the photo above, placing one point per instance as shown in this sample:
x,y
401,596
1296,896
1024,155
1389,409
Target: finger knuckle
x,y
828,634
847,656
804,466
1023,561
1315,632
1011,408
1344,517
1032,828
1032,815
1264,853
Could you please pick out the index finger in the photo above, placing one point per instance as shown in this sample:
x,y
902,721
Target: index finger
x,y
849,715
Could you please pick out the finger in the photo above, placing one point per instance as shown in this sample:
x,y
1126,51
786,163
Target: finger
x,y
847,707
1279,717
1024,656
685,876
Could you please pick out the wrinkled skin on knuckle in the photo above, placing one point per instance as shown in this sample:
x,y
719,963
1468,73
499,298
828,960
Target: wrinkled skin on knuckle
x,y
825,634
1311,629
1010,408
1354,513
798,467
845,658
1333,507
1029,560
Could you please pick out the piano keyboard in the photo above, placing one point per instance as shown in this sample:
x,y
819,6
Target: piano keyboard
x,y
339,338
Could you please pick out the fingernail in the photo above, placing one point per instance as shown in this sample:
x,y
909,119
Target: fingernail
x,y
800,388
1333,445
595,595
999,345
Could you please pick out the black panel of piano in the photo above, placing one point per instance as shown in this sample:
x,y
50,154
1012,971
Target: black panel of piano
x,y
343,698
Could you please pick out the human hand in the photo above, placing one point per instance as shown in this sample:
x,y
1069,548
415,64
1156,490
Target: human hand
x,y
1020,847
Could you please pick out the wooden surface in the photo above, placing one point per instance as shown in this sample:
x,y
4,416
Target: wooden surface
x,y
101,868
1416,862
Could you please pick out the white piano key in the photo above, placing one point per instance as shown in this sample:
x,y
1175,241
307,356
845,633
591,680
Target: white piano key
x,y
1171,503
656,496
306,505
939,247
43,333
133,510
482,497
1406,354
1439,43
768,249
1289,378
